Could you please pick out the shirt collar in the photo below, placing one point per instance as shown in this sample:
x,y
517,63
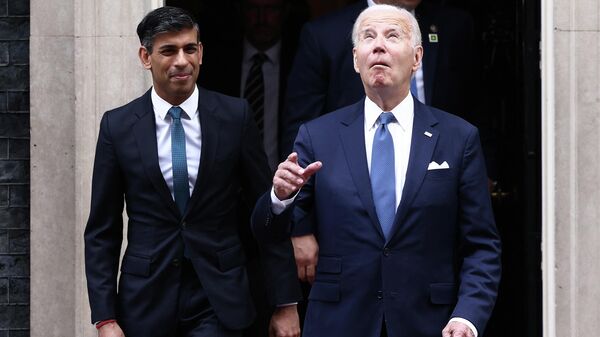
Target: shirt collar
x,y
272,53
189,106
403,112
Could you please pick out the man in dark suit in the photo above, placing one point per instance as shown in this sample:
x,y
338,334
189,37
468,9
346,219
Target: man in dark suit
x,y
323,79
179,156
400,207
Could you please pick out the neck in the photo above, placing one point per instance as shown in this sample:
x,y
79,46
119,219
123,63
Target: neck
x,y
387,99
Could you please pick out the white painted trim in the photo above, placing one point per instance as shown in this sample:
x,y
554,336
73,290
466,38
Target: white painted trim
x,y
548,171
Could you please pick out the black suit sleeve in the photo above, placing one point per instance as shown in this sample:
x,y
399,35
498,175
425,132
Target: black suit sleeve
x,y
104,230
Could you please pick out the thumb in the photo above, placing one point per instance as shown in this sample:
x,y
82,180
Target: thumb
x,y
311,169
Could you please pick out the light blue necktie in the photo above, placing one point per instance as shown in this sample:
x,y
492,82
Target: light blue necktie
x,y
179,158
383,177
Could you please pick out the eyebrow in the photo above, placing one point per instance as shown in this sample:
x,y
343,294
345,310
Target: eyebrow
x,y
171,46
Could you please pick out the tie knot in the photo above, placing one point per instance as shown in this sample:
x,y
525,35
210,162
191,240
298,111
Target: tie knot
x,y
175,112
386,117
259,58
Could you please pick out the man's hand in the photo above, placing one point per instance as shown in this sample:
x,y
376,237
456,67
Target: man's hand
x,y
457,329
111,330
290,177
306,252
285,322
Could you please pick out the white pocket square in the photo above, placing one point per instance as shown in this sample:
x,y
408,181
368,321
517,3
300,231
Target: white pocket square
x,y
435,166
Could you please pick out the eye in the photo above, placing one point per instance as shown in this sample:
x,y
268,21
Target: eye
x,y
191,49
393,36
167,51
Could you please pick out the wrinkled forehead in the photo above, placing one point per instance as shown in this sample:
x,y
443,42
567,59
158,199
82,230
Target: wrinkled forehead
x,y
385,21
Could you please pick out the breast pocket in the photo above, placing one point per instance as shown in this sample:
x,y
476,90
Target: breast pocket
x,y
440,174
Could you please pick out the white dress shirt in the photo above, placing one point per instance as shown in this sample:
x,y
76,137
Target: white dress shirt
x,y
401,132
271,70
193,137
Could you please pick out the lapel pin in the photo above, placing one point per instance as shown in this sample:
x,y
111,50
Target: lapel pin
x,y
433,28
433,38
428,134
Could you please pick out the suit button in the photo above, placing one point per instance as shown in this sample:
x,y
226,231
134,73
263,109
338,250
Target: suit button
x,y
380,295
175,263
386,252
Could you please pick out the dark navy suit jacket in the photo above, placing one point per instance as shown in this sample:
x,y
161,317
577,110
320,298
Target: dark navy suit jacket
x,y
126,169
443,257
323,79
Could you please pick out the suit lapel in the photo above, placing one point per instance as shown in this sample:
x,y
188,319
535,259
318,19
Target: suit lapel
x,y
209,124
352,135
430,55
421,152
145,135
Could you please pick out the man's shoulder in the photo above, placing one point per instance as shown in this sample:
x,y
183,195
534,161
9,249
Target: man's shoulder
x,y
345,115
211,96
140,103
446,121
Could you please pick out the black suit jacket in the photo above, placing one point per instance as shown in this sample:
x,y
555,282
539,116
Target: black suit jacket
x,y
322,78
126,169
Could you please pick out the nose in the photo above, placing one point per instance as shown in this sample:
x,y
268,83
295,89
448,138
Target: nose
x,y
180,59
379,44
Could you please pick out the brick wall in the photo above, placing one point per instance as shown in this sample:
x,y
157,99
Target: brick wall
x,y
14,168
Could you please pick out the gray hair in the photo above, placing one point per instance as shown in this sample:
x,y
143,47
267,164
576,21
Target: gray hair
x,y
403,14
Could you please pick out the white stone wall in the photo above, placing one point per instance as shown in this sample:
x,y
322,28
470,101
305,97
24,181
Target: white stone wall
x,y
83,62
571,167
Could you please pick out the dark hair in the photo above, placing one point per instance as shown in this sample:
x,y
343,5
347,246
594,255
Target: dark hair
x,y
163,20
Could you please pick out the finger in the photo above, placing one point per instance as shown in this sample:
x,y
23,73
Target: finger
x,y
293,157
291,175
302,273
310,273
311,169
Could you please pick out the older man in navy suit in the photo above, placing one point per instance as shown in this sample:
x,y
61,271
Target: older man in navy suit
x,y
399,202
179,156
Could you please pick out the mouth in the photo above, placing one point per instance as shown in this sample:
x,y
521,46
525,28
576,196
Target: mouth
x,y
181,76
379,64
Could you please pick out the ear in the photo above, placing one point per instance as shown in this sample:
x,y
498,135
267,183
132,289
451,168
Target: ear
x,y
144,57
200,52
418,58
355,61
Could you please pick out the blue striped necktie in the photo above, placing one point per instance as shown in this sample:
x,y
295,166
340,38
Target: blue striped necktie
x,y
383,176
178,156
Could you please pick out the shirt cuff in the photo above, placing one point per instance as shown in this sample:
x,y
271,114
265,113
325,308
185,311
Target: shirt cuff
x,y
466,322
286,304
278,206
